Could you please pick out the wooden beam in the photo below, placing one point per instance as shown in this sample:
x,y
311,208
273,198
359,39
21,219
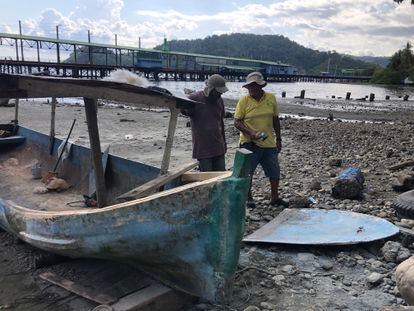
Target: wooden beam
x,y
36,86
201,176
16,112
151,186
156,297
78,289
92,121
52,125
172,124
401,165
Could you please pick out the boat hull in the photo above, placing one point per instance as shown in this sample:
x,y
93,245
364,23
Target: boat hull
x,y
188,237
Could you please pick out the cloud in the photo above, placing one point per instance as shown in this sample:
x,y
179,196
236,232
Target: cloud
x,y
347,26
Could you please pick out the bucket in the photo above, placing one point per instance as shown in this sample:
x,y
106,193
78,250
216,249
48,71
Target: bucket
x,y
36,170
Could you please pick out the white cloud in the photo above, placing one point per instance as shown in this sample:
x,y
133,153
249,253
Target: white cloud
x,y
356,27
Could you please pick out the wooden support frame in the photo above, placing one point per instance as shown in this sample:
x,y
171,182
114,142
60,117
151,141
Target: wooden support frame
x,y
52,124
172,125
20,86
16,112
92,121
151,186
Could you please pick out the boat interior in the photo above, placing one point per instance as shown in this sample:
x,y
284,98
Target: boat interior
x,y
26,152
17,161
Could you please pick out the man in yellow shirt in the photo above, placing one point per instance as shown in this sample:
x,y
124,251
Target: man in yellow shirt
x,y
257,119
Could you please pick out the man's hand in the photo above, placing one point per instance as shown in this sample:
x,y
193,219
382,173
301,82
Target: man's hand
x,y
255,135
279,145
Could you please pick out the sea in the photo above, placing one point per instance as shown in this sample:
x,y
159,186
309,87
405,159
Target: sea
x,y
312,90
292,89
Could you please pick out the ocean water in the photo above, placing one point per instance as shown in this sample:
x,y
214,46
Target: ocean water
x,y
292,89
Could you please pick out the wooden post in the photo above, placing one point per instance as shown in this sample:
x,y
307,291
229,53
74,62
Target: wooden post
x,y
52,125
169,142
371,97
302,94
283,94
92,121
348,96
241,167
16,111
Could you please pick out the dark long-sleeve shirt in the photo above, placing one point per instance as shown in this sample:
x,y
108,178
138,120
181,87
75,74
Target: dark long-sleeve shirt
x,y
207,127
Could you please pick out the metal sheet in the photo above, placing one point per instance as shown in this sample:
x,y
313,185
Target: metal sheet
x,y
322,227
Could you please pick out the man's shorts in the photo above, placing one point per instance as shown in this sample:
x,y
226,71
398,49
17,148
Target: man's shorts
x,y
266,157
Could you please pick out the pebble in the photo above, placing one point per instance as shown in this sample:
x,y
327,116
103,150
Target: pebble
x,y
251,308
326,264
278,279
347,282
375,278
390,250
289,269
268,305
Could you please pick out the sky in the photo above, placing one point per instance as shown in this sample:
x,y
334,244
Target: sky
x,y
363,27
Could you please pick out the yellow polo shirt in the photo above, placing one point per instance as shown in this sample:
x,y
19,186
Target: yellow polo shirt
x,y
258,115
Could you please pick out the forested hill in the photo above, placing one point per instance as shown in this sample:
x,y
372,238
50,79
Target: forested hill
x,y
271,48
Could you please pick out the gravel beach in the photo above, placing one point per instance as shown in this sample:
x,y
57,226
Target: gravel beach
x,y
371,136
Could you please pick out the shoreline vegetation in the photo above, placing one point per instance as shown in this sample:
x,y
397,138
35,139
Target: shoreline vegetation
x,y
400,69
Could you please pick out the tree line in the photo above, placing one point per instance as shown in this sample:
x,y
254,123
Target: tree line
x,y
400,67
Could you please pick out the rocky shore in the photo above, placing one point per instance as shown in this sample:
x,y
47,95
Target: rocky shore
x,y
360,277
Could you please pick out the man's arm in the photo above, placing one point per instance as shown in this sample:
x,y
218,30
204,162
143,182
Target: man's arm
x,y
223,114
276,127
187,112
239,124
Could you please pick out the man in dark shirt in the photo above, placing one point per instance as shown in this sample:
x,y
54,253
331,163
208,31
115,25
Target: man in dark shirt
x,y
207,126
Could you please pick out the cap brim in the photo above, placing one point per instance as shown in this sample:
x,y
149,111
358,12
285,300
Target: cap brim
x,y
222,89
261,83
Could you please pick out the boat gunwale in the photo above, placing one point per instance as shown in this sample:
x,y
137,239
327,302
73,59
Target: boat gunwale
x,y
86,211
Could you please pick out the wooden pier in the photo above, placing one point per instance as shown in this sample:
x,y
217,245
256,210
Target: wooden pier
x,y
95,61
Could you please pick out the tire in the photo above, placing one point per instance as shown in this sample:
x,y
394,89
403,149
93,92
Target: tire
x,y
404,204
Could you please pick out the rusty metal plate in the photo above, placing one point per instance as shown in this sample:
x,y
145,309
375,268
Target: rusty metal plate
x,y
322,227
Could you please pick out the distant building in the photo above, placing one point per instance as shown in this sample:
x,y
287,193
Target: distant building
x,y
200,62
348,72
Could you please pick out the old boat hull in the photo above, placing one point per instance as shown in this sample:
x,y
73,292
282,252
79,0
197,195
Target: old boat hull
x,y
188,237
11,140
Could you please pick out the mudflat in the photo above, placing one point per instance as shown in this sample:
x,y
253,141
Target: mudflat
x,y
270,277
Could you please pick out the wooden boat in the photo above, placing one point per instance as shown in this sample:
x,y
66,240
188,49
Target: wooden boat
x,y
8,135
188,235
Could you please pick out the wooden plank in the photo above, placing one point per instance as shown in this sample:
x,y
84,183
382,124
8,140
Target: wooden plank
x,y
16,112
35,87
154,184
201,176
156,297
87,293
92,180
401,165
92,121
172,124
